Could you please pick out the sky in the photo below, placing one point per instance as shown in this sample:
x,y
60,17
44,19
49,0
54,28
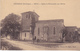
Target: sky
x,y
69,10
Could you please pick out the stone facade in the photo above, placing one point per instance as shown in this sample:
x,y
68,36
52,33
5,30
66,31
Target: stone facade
x,y
47,30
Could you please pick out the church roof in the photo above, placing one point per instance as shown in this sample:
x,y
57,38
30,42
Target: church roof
x,y
70,27
56,20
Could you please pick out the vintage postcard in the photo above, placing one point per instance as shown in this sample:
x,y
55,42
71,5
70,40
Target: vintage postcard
x,y
40,25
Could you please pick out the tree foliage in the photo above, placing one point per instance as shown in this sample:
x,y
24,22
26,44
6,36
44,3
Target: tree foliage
x,y
64,33
11,25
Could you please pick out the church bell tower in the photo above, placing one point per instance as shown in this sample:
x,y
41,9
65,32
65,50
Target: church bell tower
x,y
28,19
28,22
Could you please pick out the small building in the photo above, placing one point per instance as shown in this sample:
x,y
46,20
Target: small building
x,y
46,30
71,35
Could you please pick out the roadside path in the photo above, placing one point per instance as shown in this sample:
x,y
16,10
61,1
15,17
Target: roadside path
x,y
29,46
25,45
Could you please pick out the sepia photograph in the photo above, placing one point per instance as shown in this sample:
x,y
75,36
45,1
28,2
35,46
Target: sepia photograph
x,y
40,25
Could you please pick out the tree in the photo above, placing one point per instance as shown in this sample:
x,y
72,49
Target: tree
x,y
11,25
64,33
33,28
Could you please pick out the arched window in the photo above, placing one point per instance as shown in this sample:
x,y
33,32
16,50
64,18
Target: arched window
x,y
25,34
53,30
28,16
45,29
38,31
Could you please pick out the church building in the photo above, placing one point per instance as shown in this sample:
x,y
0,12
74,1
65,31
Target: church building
x,y
46,30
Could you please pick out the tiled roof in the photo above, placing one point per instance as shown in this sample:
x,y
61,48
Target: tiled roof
x,y
31,12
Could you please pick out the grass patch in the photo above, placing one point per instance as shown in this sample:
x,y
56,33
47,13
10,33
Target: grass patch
x,y
7,46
